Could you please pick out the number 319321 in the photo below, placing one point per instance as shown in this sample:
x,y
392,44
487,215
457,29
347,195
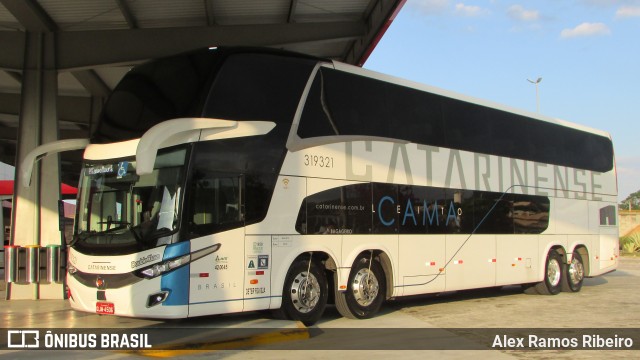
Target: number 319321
x,y
318,161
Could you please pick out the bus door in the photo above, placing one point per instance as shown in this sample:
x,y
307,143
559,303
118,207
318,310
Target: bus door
x,y
215,216
605,248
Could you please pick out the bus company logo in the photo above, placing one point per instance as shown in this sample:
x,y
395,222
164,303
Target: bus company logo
x,y
100,169
222,262
100,283
30,339
144,260
23,339
285,182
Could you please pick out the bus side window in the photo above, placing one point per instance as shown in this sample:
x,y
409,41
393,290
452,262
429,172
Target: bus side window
x,y
215,205
202,214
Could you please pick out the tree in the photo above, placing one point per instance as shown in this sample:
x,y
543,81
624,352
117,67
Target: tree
x,y
631,202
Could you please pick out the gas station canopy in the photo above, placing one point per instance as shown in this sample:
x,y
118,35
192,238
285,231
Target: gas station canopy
x,y
96,42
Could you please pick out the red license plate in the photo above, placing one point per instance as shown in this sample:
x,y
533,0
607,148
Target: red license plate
x,y
105,308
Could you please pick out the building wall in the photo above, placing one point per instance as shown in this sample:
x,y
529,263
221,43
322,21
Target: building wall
x,y
629,221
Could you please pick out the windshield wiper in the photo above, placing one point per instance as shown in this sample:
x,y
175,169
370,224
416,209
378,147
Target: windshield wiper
x,y
85,235
81,236
145,236
115,228
158,233
109,222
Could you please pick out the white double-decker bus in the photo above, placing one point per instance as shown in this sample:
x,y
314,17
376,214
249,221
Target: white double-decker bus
x,y
230,180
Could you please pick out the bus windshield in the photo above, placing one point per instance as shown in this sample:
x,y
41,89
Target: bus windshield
x,y
121,212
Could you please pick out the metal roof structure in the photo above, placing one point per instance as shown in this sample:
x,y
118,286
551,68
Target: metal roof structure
x,y
96,42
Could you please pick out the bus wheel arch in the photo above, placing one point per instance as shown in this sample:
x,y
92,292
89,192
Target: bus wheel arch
x,y
305,289
385,262
586,260
367,286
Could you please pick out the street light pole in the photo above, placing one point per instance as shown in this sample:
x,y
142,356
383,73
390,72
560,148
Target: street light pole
x,y
536,82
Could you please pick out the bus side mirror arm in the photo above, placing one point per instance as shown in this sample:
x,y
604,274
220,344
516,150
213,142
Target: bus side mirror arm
x,y
162,133
179,131
26,167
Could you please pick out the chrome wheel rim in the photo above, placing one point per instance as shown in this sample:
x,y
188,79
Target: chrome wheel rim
x,y
365,287
553,272
576,271
305,292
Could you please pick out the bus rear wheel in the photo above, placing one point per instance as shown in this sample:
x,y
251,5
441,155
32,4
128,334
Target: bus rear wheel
x,y
365,290
553,274
573,274
305,292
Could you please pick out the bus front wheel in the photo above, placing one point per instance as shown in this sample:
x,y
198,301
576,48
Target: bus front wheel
x,y
365,290
305,292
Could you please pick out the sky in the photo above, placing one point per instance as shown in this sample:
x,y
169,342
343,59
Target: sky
x,y
587,53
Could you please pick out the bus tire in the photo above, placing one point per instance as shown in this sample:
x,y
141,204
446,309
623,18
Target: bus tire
x,y
365,292
573,274
305,292
530,289
552,282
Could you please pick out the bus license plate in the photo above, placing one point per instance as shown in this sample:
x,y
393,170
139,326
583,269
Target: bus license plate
x,y
105,308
